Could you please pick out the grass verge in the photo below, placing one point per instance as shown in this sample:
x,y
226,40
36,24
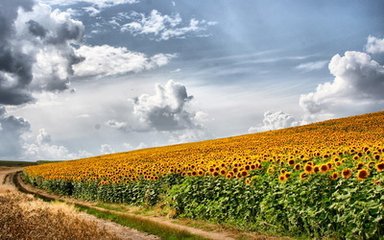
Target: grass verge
x,y
142,225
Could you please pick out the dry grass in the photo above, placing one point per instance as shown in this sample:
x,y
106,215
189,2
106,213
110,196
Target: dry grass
x,y
23,217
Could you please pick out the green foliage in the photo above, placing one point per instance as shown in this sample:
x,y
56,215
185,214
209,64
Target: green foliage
x,y
315,207
7,163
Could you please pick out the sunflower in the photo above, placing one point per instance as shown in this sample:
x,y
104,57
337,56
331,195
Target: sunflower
x,y
360,165
316,169
308,168
334,176
303,176
346,173
271,170
287,174
371,164
380,166
297,166
362,174
248,181
283,178
324,168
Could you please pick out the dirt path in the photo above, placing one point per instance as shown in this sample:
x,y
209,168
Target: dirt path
x,y
6,175
6,185
222,235
161,220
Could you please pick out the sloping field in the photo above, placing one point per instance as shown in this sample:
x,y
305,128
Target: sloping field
x,y
327,142
323,179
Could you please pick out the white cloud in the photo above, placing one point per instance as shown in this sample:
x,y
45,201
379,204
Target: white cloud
x,y
43,137
202,117
43,149
167,110
106,60
92,11
311,66
106,149
276,120
141,146
189,135
123,126
358,87
163,27
374,45
96,3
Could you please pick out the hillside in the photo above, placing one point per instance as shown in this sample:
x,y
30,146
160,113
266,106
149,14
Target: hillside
x,y
319,180
299,144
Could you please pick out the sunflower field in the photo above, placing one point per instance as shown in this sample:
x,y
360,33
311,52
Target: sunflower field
x,y
319,180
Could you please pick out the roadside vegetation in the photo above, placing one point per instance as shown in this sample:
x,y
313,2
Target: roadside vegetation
x,y
142,225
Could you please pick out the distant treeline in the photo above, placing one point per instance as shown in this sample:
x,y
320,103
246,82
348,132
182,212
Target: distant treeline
x,y
8,163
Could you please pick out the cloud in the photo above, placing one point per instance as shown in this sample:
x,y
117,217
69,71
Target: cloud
x,y
92,11
36,52
96,3
43,149
167,109
358,86
275,120
11,134
311,66
374,45
106,60
106,149
43,137
163,27
189,135
123,126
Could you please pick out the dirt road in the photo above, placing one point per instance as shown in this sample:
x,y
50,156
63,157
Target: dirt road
x,y
7,186
6,176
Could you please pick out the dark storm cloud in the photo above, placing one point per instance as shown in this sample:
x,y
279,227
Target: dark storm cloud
x,y
15,76
8,13
33,43
13,64
66,32
36,29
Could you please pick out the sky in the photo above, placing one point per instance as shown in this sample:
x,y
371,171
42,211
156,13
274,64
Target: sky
x,y
81,78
